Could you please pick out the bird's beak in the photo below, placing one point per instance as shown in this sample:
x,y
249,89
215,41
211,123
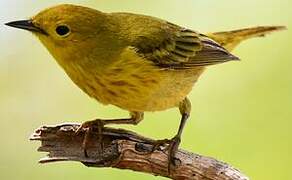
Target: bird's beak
x,y
26,25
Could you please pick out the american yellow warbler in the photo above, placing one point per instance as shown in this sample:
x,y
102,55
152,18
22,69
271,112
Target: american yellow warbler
x,y
136,62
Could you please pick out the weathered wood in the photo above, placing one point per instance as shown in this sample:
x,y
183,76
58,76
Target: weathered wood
x,y
127,150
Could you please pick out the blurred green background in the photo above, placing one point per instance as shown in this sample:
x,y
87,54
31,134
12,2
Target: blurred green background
x,y
241,110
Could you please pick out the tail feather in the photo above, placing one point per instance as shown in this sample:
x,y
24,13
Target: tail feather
x,y
230,39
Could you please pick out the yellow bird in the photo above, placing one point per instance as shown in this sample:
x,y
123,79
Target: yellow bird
x,y
136,62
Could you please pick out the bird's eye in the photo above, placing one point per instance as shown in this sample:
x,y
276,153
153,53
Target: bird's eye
x,y
62,30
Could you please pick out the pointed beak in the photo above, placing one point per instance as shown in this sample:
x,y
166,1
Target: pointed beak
x,y
26,25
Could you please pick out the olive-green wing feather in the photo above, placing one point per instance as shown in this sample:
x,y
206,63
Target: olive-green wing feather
x,y
183,49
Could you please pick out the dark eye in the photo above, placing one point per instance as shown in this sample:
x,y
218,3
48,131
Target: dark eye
x,y
62,30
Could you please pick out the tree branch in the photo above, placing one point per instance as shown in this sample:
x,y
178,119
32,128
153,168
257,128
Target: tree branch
x,y
127,150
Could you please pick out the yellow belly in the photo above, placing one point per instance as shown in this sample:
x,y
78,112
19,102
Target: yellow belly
x,y
135,84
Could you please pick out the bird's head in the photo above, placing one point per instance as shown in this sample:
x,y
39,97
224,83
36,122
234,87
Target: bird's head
x,y
69,32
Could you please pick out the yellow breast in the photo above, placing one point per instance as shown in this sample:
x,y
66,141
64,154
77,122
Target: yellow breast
x,y
135,84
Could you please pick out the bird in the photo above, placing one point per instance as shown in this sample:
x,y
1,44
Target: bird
x,y
136,62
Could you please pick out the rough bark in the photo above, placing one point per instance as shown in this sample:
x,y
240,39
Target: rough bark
x,y
124,149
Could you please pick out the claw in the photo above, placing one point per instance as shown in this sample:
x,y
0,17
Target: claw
x,y
159,143
172,149
89,127
90,124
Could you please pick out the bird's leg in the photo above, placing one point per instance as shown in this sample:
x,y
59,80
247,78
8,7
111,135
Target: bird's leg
x,y
185,109
97,125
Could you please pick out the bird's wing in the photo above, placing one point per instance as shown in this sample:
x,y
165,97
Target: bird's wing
x,y
183,49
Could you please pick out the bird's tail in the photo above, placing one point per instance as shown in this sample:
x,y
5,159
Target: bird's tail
x,y
230,39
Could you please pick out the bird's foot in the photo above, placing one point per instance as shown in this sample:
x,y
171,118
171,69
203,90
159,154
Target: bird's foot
x,y
172,148
160,143
89,127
